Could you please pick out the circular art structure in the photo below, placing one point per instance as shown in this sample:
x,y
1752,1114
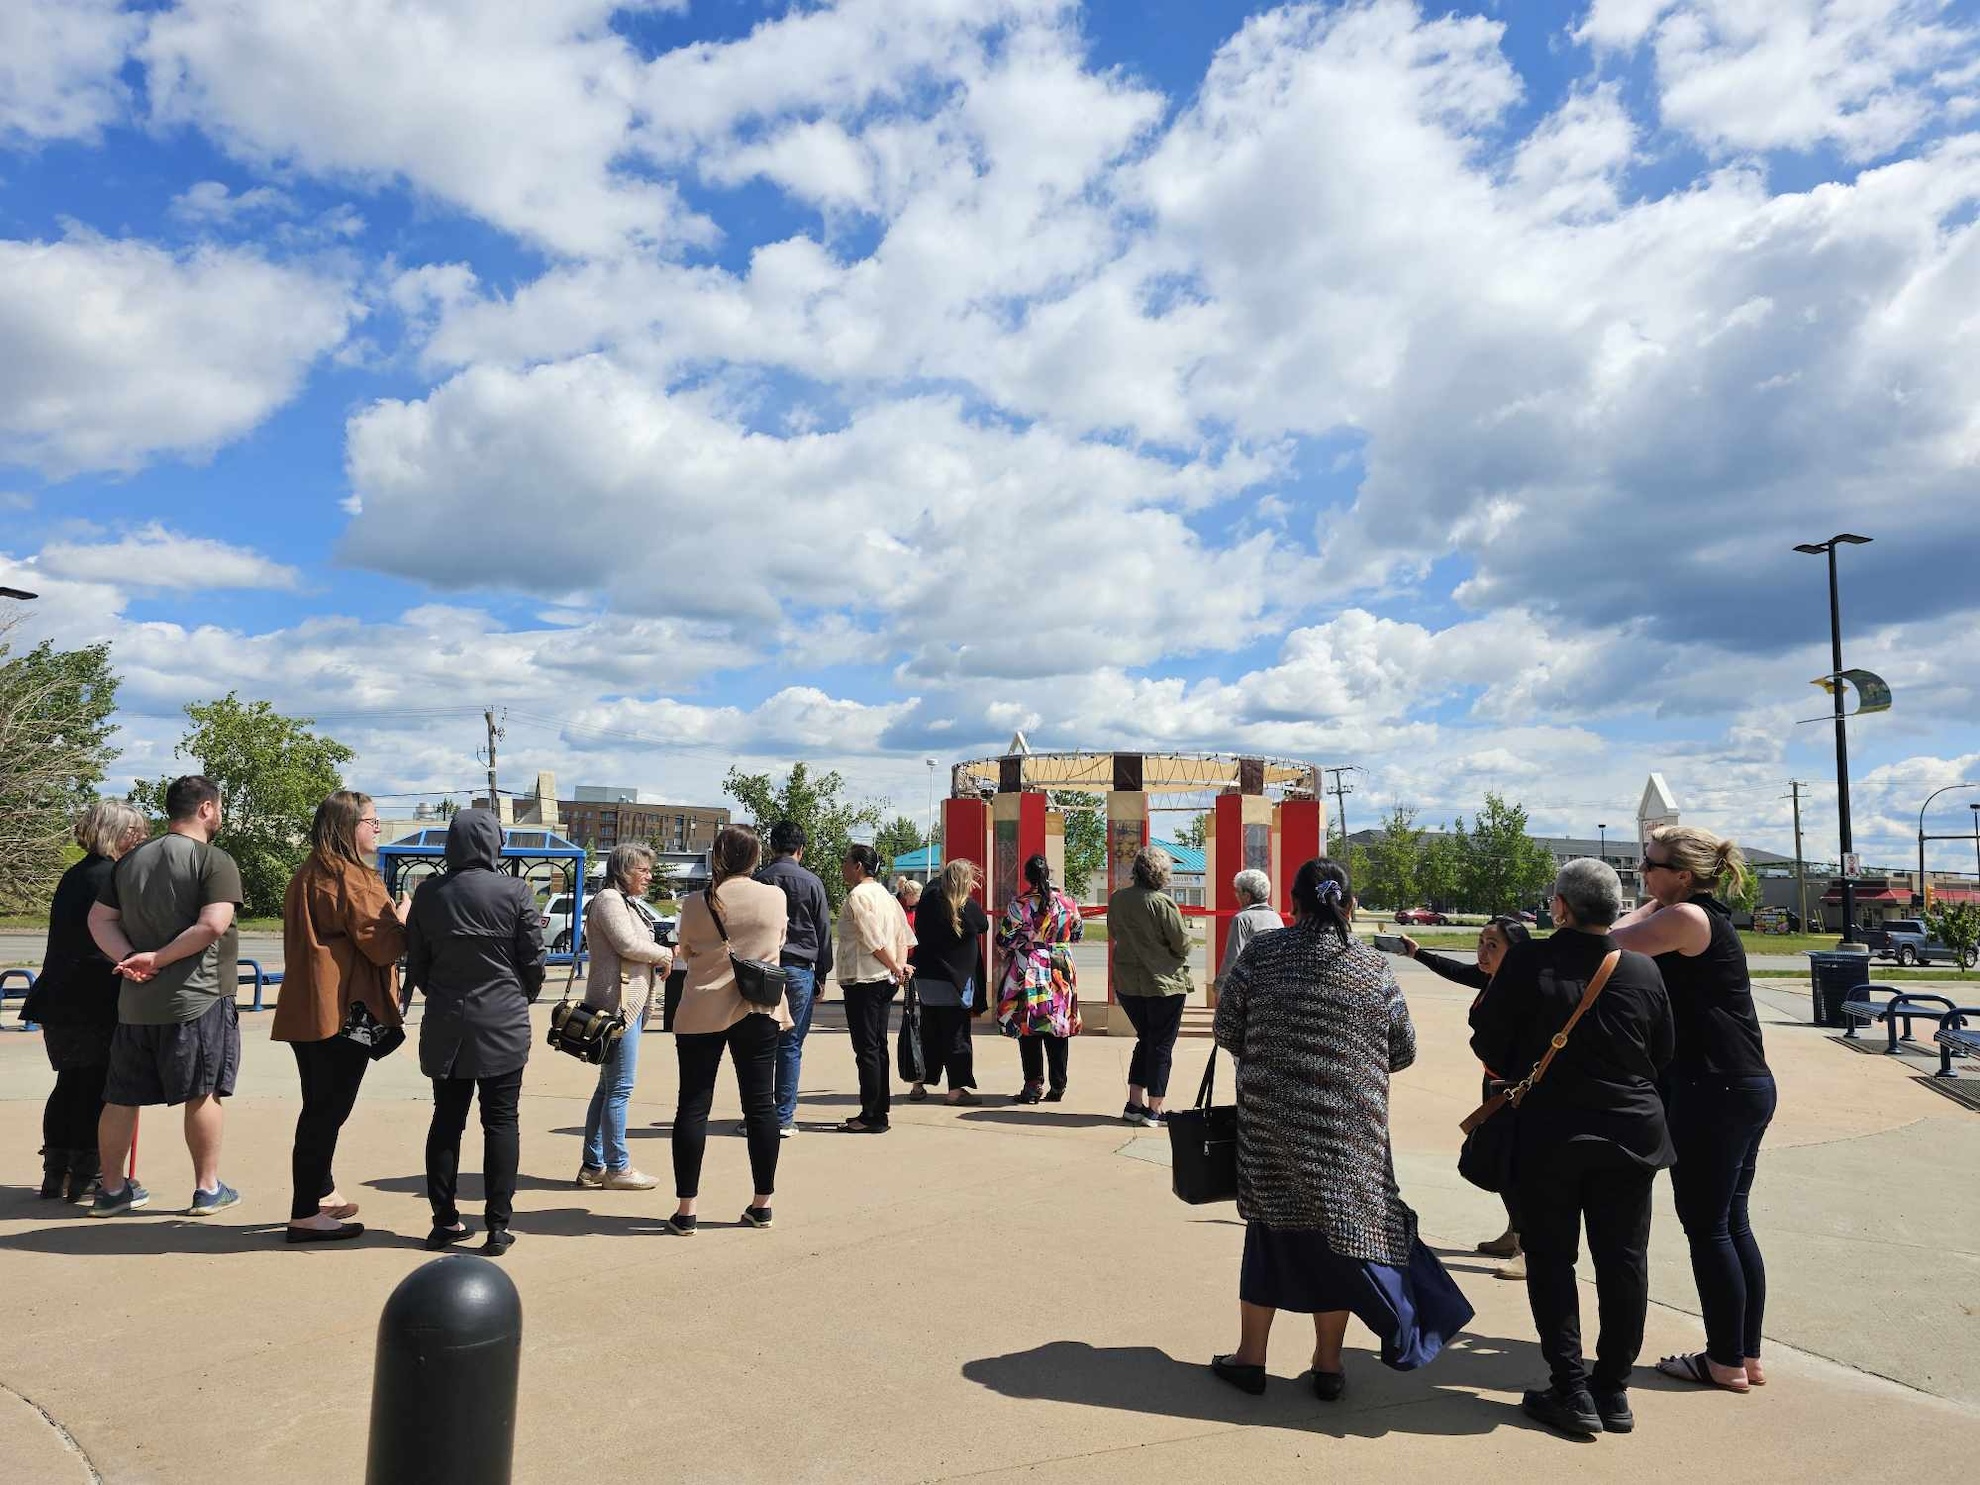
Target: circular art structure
x,y
1265,813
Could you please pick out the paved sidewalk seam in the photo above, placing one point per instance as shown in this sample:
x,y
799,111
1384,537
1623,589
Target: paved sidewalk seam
x,y
68,1439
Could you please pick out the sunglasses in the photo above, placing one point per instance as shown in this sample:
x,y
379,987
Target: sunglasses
x,y
1649,864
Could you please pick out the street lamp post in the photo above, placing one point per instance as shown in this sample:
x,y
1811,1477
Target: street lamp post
x,y
1604,830
1921,831
1976,841
1828,548
928,849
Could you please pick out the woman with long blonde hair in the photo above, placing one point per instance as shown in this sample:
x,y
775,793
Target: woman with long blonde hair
x,y
949,924
1720,1091
342,935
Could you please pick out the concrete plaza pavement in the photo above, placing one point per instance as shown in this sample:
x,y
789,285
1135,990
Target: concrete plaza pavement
x,y
994,1293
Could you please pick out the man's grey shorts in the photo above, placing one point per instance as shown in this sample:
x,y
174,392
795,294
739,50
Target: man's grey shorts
x,y
174,1063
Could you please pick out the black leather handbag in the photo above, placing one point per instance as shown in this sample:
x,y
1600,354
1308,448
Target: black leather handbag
x,y
1492,1129
1203,1145
908,1060
366,1030
758,981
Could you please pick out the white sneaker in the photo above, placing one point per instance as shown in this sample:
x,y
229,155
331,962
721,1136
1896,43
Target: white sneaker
x,y
592,1176
628,1179
787,1131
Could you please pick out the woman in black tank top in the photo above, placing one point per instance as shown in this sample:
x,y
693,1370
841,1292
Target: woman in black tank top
x,y
1721,1093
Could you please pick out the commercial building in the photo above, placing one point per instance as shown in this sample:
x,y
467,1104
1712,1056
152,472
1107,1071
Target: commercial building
x,y
601,817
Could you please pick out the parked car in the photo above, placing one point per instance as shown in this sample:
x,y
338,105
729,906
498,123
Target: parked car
x,y
1422,915
1909,941
555,921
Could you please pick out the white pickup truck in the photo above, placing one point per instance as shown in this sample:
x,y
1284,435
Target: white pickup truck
x,y
555,921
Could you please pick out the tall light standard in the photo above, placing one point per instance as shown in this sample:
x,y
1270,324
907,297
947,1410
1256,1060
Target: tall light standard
x,y
1828,549
1976,841
1921,831
1604,829
928,850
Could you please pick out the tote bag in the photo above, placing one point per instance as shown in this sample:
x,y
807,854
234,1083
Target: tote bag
x,y
1203,1145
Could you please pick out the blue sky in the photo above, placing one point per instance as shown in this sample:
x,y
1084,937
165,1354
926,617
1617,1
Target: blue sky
x,y
1438,392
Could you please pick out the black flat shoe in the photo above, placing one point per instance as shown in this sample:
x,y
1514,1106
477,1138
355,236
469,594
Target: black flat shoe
x,y
680,1226
445,1237
1613,1409
1029,1094
1328,1386
757,1217
1053,1095
1573,1415
342,1234
498,1242
1249,1379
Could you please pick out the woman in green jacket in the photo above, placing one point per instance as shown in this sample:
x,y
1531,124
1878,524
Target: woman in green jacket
x,y
1151,978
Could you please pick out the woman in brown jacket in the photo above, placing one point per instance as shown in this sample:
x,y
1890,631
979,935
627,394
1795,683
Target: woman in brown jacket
x,y
342,935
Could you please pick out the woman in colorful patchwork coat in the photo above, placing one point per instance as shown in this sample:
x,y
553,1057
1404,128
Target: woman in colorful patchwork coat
x,y
1038,992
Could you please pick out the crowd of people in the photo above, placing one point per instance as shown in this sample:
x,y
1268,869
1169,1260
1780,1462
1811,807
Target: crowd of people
x,y
1643,1022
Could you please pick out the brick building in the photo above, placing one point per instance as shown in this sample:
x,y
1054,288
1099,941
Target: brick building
x,y
600,818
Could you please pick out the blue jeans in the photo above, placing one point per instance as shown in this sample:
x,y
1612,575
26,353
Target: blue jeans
x,y
605,1121
790,1044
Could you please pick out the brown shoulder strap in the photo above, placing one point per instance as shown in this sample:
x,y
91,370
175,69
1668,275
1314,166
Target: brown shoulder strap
x,y
1594,989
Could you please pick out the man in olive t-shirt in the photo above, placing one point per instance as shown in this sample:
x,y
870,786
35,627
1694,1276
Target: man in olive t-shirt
x,y
166,916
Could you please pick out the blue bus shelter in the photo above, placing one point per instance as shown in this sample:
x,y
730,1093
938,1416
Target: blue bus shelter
x,y
527,852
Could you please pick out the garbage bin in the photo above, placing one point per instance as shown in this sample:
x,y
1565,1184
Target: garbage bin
x,y
1833,976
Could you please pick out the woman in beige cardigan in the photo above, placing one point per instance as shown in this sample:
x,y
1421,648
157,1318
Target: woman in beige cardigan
x,y
714,1016
624,955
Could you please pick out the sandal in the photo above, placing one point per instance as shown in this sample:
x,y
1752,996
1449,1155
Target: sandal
x,y
1696,1367
918,1094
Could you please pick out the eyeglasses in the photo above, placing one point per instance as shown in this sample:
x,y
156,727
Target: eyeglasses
x,y
371,820
1650,865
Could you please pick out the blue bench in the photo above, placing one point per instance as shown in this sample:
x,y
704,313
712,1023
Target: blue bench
x,y
24,978
1860,1010
251,970
1956,1038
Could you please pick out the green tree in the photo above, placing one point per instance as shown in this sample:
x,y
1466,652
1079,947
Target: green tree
x,y
665,885
1086,839
1957,926
896,839
273,771
1442,867
1394,861
1196,834
814,803
55,708
1355,858
1507,866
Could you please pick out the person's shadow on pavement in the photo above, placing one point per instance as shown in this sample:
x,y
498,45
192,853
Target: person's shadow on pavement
x,y
1442,1398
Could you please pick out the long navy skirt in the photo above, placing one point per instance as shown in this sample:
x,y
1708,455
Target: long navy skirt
x,y
1413,1311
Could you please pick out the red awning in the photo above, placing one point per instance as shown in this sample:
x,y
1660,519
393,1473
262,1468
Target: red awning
x,y
1882,894
1956,894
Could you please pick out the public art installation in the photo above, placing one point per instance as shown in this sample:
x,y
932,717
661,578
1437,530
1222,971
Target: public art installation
x,y
1265,813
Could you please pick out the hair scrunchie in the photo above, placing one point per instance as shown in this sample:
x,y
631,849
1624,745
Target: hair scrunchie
x,y
1328,891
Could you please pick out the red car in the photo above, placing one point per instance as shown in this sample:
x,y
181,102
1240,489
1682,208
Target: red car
x,y
1423,916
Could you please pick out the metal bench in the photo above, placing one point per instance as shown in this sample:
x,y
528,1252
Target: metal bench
x,y
1902,1006
24,978
251,970
1956,1038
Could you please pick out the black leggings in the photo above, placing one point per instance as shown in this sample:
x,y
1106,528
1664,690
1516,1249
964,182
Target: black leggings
x,y
1035,1053
946,1047
501,1145
752,1046
1156,1020
1717,1126
68,1119
332,1072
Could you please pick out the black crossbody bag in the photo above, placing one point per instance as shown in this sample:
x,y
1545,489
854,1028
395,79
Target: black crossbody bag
x,y
758,981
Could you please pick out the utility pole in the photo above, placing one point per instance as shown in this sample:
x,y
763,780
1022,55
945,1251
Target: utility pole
x,y
1800,873
494,735
1341,792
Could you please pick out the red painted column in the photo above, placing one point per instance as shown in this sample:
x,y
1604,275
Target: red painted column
x,y
966,837
1227,827
1302,836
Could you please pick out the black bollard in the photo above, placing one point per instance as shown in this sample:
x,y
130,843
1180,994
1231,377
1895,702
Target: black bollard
x,y
443,1393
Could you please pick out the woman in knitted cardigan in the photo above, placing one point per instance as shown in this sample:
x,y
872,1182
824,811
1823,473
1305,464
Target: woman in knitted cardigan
x,y
1318,1023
